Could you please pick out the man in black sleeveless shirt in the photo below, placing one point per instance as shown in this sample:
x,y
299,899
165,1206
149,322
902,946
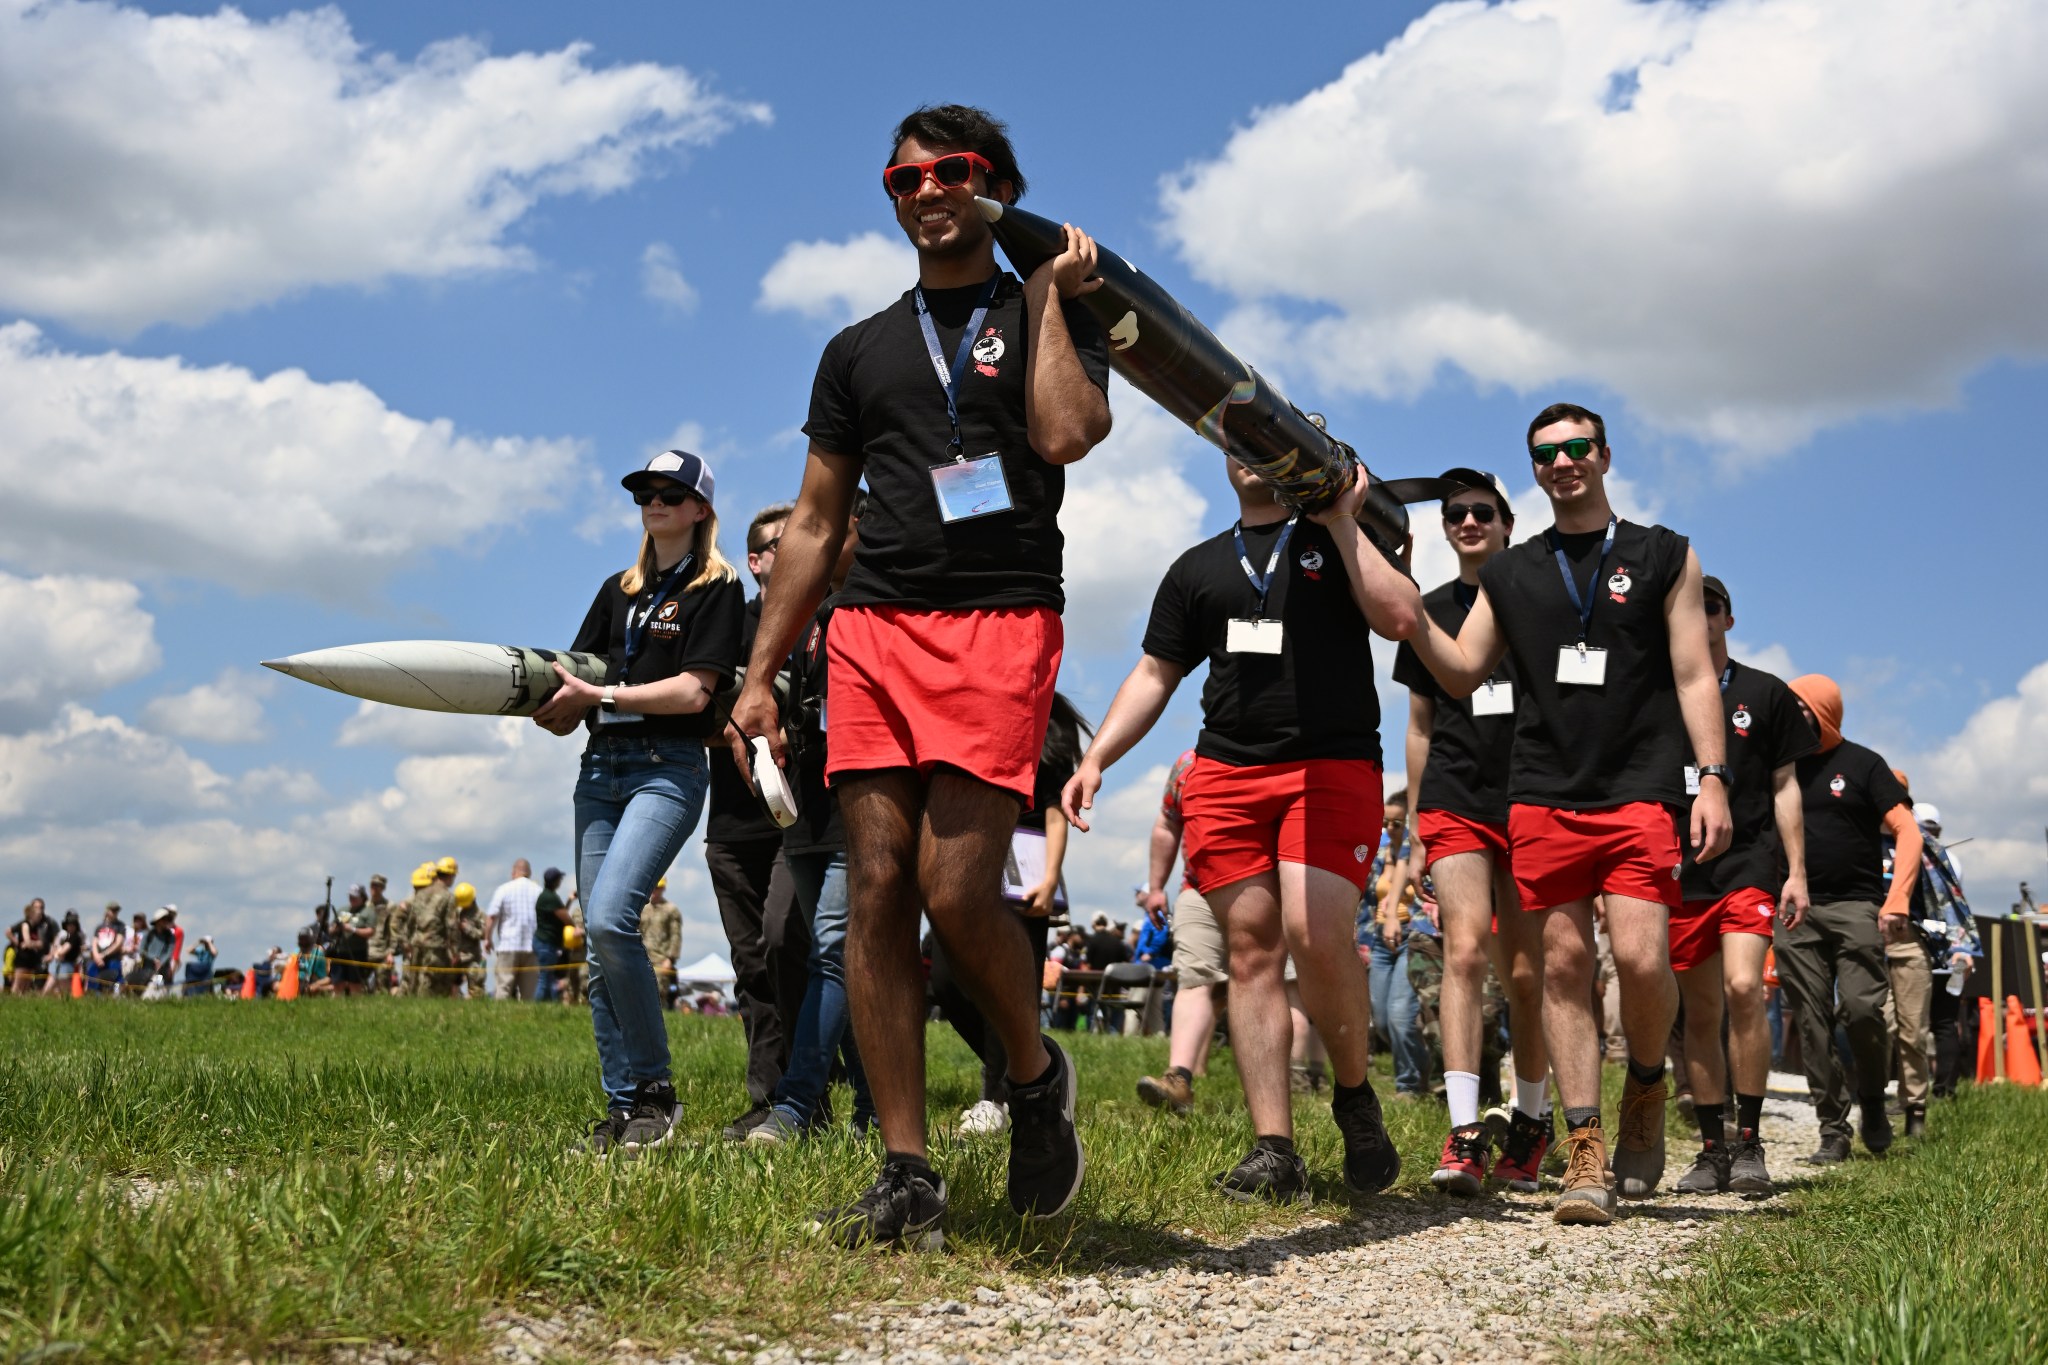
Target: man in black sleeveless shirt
x,y
1603,621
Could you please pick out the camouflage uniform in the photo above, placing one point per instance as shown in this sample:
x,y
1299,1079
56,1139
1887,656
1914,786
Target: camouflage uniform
x,y
378,949
398,936
569,981
432,943
468,940
661,933
1426,975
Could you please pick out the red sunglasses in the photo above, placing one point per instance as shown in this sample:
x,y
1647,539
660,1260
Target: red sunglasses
x,y
948,172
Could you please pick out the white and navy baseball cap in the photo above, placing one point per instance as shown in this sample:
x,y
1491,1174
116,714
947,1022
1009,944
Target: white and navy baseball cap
x,y
1462,477
691,471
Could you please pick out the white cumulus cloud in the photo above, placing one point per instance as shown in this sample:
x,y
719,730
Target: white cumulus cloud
x,y
661,278
1734,215
169,167
840,282
1991,783
228,710
273,482
70,637
416,732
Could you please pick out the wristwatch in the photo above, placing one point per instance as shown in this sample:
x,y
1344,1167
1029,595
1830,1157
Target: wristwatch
x,y
1719,770
610,702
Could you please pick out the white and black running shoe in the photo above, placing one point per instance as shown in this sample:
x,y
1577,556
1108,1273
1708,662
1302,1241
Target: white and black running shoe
x,y
904,1207
1046,1162
654,1116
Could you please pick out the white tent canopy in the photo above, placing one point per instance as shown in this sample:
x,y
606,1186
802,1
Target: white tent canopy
x,y
711,969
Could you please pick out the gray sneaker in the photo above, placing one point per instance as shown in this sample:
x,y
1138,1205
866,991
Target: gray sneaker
x,y
1709,1173
653,1117
1639,1146
1746,1171
777,1130
605,1134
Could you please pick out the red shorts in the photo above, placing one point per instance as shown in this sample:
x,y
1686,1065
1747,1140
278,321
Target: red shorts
x,y
1568,855
1240,822
915,689
1444,834
1697,926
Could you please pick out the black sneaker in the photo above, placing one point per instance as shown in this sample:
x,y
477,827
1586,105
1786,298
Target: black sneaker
x,y
904,1207
1709,1173
1747,1173
1833,1150
1266,1174
1876,1127
737,1130
1046,1162
653,1118
1370,1161
605,1134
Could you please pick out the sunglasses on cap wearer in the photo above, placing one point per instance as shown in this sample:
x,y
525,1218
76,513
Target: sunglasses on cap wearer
x,y
671,495
948,172
1577,448
1481,512
767,547
1714,605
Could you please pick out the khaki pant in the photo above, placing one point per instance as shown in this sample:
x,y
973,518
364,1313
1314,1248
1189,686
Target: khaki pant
x,y
515,974
1200,956
1910,1017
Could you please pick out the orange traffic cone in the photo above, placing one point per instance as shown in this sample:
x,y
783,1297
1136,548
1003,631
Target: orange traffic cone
x,y
77,985
288,989
248,985
2022,1067
1987,1065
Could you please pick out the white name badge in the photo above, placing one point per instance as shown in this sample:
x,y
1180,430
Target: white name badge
x,y
1247,636
1692,780
971,488
1494,699
1587,667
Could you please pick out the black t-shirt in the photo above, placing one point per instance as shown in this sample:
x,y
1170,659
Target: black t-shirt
x,y
1847,791
733,814
1106,948
546,928
1579,747
688,630
818,828
1314,699
877,399
31,941
1765,731
1467,773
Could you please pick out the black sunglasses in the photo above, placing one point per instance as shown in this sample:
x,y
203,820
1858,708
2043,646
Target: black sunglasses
x,y
1456,512
767,547
671,495
1577,448
1714,605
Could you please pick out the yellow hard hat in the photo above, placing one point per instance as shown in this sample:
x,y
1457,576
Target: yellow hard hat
x,y
661,885
446,865
465,895
572,937
423,875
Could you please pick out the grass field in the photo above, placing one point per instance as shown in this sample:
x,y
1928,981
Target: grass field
x,y
210,1179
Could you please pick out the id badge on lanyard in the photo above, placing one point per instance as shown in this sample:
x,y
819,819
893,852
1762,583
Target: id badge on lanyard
x,y
637,632
1494,699
1576,663
1258,634
965,488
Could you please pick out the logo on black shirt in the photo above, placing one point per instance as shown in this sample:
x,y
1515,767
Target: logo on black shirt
x,y
988,349
1618,584
1740,720
1838,786
1312,564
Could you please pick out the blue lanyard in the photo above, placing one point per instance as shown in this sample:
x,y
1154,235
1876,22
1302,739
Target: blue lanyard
x,y
635,634
949,380
1728,675
1583,605
1262,584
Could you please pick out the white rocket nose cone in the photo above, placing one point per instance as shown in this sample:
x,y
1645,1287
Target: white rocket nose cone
x,y
990,208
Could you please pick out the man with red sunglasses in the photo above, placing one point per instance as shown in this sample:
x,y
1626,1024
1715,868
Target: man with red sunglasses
x,y
959,405
1605,624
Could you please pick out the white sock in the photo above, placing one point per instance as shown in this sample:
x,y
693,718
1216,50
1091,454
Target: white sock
x,y
1461,1092
1533,1097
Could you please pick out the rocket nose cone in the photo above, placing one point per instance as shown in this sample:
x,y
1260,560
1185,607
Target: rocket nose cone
x,y
990,209
288,667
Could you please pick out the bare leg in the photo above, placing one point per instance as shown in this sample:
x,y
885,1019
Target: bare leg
x,y
1749,1024
1568,1026
1700,988
1464,897
1308,1049
1194,1021
884,975
1319,912
1249,913
1649,995
1518,959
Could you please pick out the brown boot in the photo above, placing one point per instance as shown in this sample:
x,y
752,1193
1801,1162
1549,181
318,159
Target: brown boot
x,y
1586,1197
1171,1092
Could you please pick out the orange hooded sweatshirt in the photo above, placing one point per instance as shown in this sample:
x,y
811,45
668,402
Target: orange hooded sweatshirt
x,y
1824,699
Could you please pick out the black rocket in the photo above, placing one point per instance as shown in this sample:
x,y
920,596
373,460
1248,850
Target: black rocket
x,y
1170,357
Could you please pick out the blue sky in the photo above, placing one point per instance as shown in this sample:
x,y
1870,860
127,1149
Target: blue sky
x,y
1814,320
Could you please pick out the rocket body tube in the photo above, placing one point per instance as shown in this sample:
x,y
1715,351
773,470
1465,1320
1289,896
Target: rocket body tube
x,y
443,675
1170,357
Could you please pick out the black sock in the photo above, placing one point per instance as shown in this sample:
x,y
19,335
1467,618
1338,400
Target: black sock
x,y
1645,1075
1576,1119
915,1163
1269,1143
1052,1064
1749,1112
1183,1073
1709,1116
1339,1094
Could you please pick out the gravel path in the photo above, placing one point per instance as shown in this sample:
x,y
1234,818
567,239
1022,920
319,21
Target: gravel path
x,y
1410,1280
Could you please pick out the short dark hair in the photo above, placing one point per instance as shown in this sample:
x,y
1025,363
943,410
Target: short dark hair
x,y
969,129
767,516
1569,412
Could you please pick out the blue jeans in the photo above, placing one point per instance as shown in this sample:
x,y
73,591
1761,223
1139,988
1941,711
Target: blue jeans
x,y
637,800
546,957
823,1026
1396,1012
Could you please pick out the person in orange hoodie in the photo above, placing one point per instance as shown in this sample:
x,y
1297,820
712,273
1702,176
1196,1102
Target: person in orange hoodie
x,y
1836,953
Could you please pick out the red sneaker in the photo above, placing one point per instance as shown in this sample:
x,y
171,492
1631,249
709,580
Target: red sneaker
x,y
1521,1159
1462,1168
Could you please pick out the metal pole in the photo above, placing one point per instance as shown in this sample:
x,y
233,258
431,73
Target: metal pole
x,y
1998,998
